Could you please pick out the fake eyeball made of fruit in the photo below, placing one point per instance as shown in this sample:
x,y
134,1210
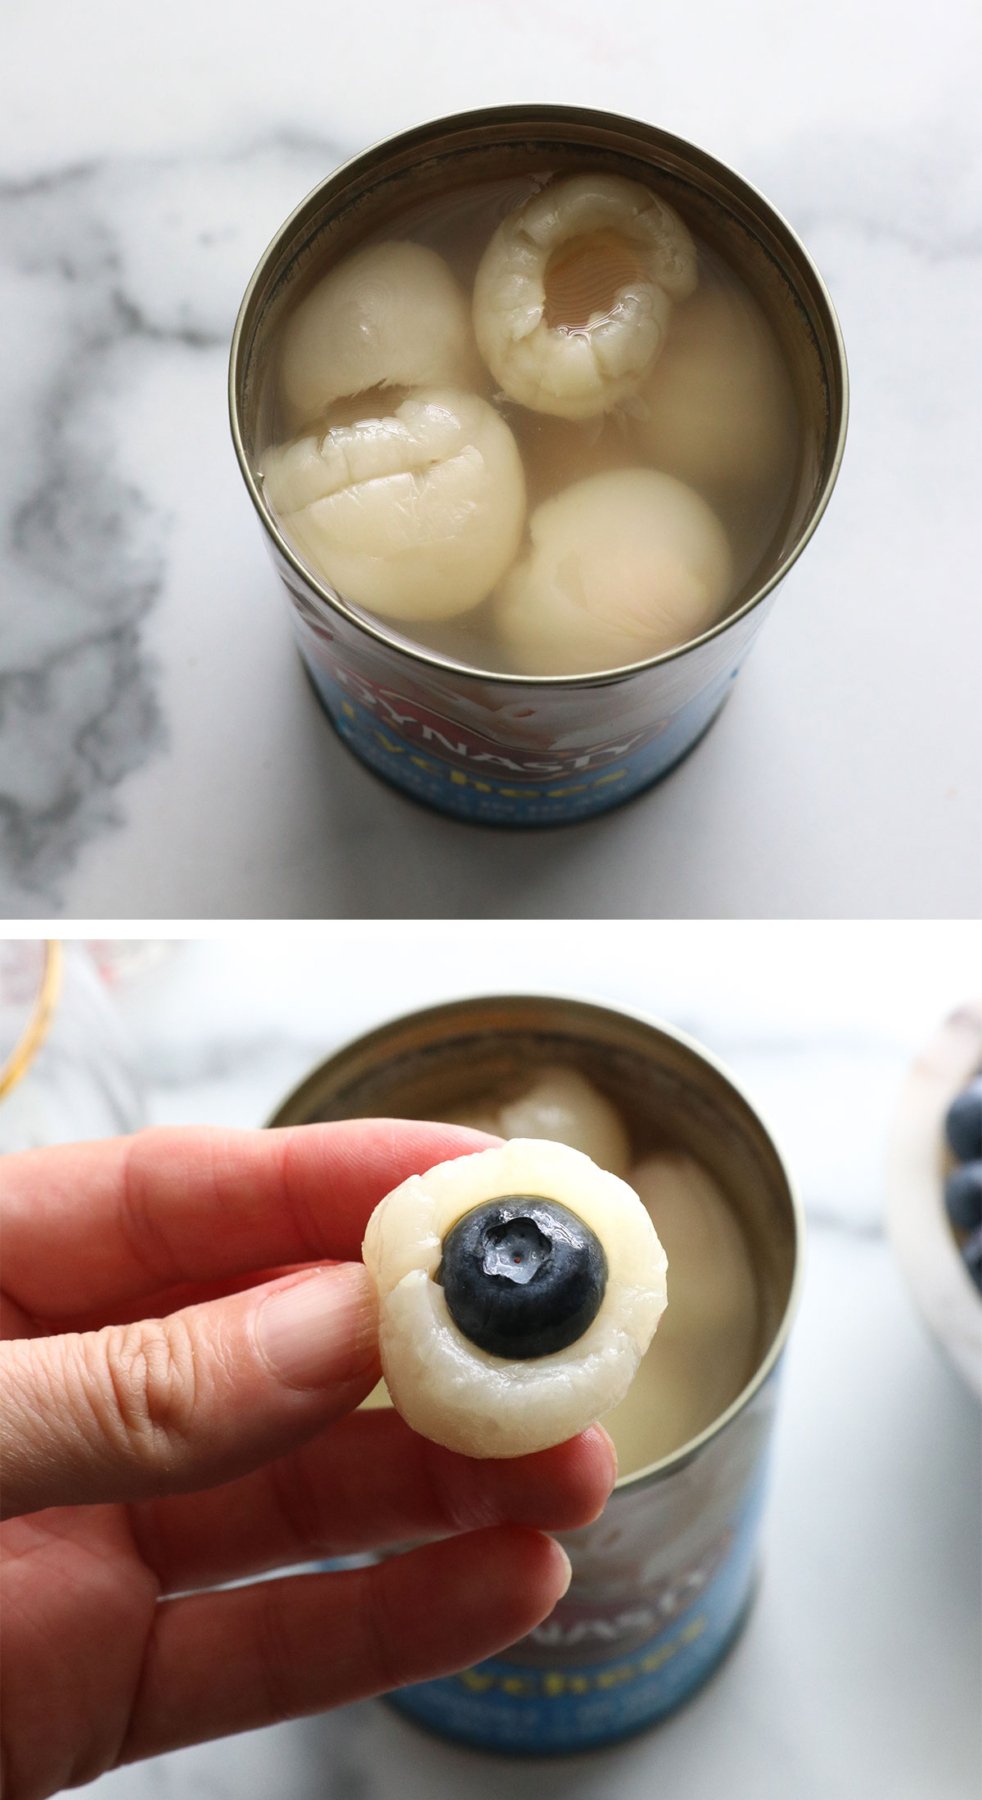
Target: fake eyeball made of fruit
x,y
623,566
560,1104
391,315
518,1290
574,293
717,408
415,515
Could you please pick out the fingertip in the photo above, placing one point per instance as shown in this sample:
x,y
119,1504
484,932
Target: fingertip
x,y
588,1468
540,1570
559,1489
563,1568
606,1447
465,1140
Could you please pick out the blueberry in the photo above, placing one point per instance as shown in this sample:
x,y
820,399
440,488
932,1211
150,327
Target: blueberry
x,y
963,1195
963,1124
522,1275
972,1252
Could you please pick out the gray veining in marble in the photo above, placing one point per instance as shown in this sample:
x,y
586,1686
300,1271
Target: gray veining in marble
x,y
86,543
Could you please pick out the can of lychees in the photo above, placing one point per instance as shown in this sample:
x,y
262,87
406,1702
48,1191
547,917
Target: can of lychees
x,y
451,715
664,1580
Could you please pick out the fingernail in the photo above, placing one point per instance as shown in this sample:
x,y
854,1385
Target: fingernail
x,y
321,1329
565,1566
611,1448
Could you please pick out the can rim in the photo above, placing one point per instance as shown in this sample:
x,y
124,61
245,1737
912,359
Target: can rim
x,y
545,114
692,1448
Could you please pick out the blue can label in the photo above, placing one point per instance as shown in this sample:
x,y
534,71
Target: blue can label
x,y
558,1692
460,770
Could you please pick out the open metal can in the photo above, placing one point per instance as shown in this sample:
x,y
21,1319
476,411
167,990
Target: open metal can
x,y
530,750
663,1581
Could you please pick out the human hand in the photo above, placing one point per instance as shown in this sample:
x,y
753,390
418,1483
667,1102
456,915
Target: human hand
x,y
178,1412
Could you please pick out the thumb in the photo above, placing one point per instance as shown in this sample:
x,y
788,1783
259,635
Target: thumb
x,y
166,1405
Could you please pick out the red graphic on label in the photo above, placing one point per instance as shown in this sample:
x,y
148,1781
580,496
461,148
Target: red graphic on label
x,y
454,742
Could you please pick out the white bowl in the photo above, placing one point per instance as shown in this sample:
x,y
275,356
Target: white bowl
x,y
918,1159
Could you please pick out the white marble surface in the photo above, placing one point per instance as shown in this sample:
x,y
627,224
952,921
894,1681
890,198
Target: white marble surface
x,y
160,752
858,1673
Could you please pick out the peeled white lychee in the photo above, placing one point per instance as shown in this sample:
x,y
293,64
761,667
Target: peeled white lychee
x,y
707,1347
714,1292
391,315
717,407
561,1104
623,566
414,515
574,293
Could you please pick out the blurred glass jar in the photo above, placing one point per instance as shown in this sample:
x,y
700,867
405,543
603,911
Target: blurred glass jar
x,y
66,1072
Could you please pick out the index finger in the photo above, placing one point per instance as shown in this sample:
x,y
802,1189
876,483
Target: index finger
x,y
89,1225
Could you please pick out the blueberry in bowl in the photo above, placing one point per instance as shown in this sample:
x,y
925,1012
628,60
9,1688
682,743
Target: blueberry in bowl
x,y
963,1180
934,1175
963,1123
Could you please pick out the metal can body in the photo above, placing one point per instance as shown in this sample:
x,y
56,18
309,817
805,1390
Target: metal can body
x,y
529,750
661,1587
491,751
663,1580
